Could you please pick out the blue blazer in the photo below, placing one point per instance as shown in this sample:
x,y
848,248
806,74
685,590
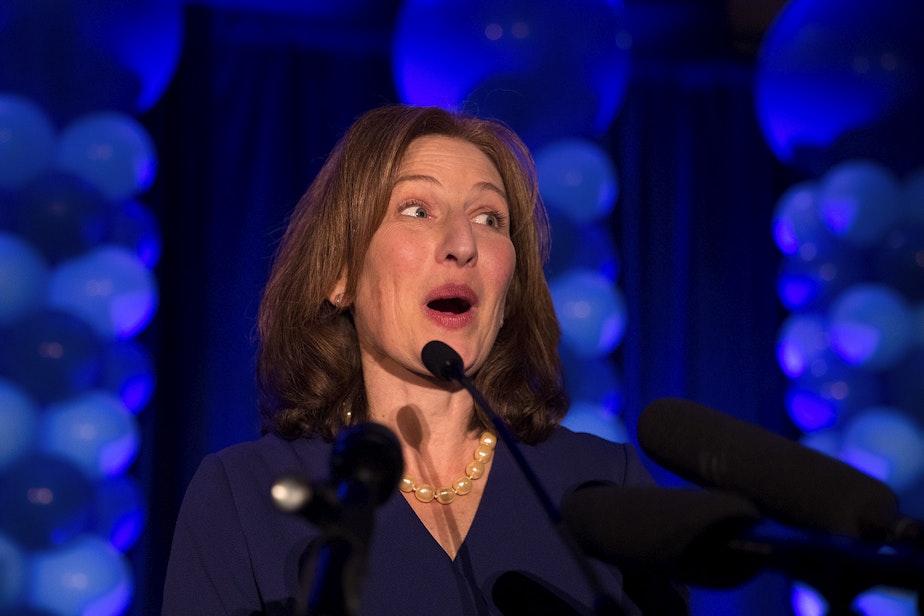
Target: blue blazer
x,y
234,553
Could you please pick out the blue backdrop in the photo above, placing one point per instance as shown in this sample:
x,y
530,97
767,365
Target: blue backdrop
x,y
255,106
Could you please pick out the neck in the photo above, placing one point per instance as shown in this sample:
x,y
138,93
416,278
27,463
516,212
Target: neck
x,y
431,419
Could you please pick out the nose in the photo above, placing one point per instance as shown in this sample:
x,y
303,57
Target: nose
x,y
457,241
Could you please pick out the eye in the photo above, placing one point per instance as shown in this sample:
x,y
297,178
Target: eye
x,y
491,219
414,209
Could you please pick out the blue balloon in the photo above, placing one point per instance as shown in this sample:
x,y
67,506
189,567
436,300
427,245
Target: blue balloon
x,y
136,227
24,610
829,393
904,386
870,326
811,411
839,80
94,54
7,209
27,141
827,442
595,382
535,65
94,431
128,372
62,215
592,419
12,572
23,277
105,587
119,512
46,501
899,260
802,341
19,418
797,225
885,601
859,201
886,443
143,36
110,150
812,284
585,247
577,178
565,240
913,198
52,355
806,601
109,288
912,499
591,311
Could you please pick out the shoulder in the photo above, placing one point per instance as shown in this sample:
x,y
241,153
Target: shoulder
x,y
273,453
235,483
580,453
252,467
581,446
229,530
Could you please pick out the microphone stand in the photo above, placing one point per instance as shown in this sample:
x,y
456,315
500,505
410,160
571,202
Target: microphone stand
x,y
839,568
365,466
604,604
449,368
340,561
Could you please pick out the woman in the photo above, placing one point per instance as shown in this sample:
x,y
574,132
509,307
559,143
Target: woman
x,y
422,225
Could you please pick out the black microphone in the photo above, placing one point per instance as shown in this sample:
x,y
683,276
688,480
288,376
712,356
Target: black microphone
x,y
446,364
316,501
365,467
718,539
651,530
787,481
443,361
366,462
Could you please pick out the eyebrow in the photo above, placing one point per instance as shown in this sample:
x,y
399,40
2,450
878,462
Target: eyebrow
x,y
432,180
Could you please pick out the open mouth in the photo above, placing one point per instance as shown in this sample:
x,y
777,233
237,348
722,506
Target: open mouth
x,y
450,305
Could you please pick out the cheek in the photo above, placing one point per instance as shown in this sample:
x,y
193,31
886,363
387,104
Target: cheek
x,y
385,270
505,271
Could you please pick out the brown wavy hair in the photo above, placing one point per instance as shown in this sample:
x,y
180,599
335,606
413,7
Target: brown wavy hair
x,y
308,366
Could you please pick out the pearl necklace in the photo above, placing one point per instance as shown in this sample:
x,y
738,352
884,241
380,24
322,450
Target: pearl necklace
x,y
425,492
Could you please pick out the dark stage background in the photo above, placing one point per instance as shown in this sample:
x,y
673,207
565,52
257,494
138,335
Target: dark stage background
x,y
260,98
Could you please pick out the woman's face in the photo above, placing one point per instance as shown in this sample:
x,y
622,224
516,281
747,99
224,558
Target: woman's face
x,y
440,264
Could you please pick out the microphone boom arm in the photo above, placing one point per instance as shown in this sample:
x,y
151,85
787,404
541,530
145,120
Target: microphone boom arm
x,y
443,361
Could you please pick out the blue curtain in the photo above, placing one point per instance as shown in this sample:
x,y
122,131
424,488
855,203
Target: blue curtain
x,y
698,187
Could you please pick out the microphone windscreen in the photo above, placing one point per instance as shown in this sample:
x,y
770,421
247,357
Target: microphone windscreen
x,y
661,529
787,481
442,360
368,453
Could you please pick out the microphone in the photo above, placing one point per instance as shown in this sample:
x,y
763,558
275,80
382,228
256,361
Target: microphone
x,y
446,364
787,481
443,361
718,539
366,462
365,466
315,501
650,530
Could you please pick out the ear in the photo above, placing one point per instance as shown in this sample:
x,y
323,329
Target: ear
x,y
337,295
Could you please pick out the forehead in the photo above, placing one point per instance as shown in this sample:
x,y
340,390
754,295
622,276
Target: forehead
x,y
441,154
